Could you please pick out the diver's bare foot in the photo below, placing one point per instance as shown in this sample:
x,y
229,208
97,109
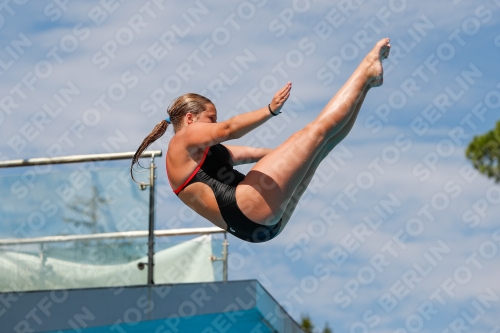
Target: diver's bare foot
x,y
373,62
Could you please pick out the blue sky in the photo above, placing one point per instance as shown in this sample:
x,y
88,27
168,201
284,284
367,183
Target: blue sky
x,y
431,261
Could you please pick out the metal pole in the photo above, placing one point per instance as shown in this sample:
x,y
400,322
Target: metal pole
x,y
112,235
151,240
225,252
75,159
42,265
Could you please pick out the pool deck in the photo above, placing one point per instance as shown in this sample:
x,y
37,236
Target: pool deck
x,y
218,307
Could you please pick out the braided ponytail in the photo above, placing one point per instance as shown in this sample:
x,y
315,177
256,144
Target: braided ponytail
x,y
155,134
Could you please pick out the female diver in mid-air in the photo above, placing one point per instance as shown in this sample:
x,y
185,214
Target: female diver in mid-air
x,y
255,207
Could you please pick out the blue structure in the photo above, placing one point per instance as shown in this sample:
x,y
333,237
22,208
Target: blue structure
x,y
218,307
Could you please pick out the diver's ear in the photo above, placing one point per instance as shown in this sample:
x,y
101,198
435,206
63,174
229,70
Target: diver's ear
x,y
190,118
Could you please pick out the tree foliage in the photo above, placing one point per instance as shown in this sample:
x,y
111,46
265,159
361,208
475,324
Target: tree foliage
x,y
308,326
484,153
327,329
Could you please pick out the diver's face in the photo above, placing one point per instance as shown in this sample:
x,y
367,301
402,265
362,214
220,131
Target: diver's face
x,y
209,115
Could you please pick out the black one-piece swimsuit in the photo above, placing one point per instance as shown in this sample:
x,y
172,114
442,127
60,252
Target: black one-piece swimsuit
x,y
216,170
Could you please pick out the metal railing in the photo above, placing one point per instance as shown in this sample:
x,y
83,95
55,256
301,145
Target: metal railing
x,y
151,233
111,235
76,159
129,234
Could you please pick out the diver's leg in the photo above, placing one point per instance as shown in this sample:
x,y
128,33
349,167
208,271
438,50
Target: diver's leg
x,y
274,179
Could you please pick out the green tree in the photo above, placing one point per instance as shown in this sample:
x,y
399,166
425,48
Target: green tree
x,y
306,324
327,329
484,153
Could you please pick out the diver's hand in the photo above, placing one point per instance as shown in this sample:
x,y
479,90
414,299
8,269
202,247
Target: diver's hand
x,y
280,98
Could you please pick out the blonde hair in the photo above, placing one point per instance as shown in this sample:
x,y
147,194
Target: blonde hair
x,y
187,103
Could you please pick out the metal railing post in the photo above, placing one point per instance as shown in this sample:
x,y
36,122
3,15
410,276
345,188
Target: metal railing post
x,y
151,235
225,253
43,259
